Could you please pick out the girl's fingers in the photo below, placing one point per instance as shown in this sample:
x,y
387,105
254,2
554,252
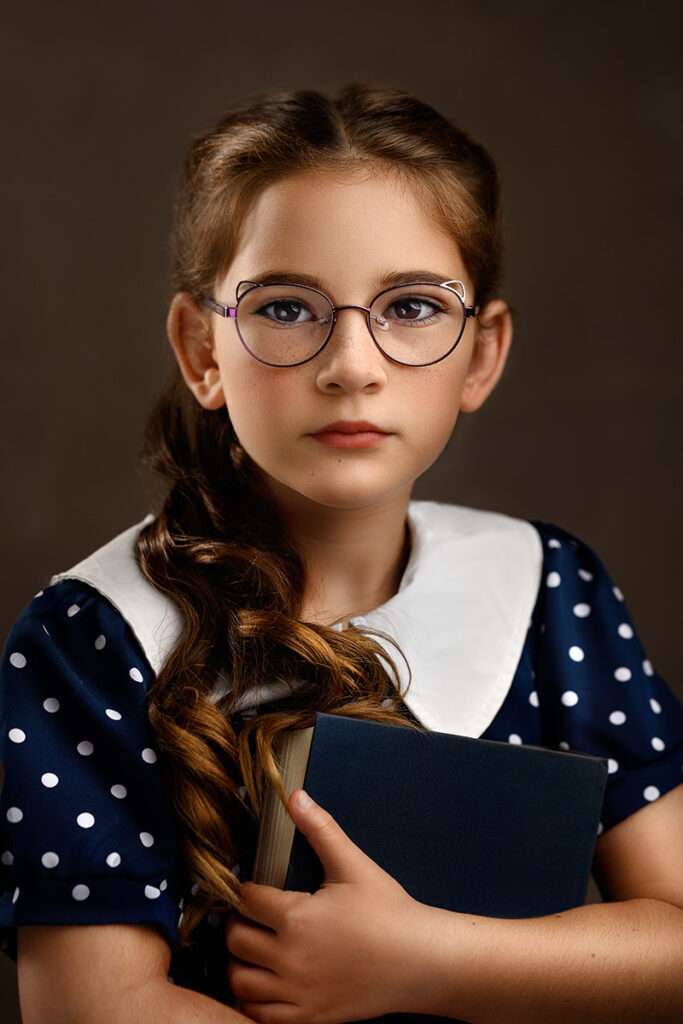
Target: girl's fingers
x,y
265,904
251,943
254,983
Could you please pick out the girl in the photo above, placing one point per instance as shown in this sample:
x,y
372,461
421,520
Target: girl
x,y
335,306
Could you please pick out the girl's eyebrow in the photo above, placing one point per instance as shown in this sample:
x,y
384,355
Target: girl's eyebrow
x,y
393,277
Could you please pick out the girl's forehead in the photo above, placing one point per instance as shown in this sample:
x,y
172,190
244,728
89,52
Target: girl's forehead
x,y
342,233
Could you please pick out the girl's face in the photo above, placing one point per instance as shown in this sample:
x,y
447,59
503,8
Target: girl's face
x,y
349,234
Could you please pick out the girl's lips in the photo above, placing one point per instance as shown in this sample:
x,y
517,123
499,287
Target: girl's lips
x,y
360,439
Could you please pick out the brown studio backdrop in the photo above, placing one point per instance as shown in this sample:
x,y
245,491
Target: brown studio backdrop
x,y
580,108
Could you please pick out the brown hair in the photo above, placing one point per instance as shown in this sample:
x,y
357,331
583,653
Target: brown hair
x,y
218,548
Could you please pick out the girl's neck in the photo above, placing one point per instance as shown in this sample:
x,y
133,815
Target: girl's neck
x,y
330,605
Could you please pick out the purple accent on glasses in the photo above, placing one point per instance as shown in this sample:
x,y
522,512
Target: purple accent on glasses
x,y
218,307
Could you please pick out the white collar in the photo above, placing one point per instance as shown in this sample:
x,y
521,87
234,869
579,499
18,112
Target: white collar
x,y
460,615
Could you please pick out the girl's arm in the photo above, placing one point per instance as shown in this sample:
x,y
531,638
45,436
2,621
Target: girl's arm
x,y
105,974
593,964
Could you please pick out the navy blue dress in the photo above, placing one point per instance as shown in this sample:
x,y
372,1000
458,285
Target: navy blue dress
x,y
87,830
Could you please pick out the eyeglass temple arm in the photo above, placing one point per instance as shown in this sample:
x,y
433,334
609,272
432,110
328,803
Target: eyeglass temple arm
x,y
219,308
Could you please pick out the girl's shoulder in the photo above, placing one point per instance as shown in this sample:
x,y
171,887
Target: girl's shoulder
x,y
72,627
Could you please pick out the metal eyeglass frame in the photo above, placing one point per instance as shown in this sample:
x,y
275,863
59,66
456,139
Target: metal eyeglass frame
x,y
231,311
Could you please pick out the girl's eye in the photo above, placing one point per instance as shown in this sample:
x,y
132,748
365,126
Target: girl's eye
x,y
408,309
286,311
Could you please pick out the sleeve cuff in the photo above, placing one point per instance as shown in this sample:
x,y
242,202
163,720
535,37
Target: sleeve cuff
x,y
95,901
636,787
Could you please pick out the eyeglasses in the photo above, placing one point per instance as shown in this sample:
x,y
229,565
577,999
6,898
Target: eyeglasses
x,y
285,324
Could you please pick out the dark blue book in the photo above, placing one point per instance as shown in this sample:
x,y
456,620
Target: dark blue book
x,y
471,825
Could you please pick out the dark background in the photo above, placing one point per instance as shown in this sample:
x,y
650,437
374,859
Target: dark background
x,y
580,107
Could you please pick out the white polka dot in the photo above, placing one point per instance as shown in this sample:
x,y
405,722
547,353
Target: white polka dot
x,y
16,894
80,892
612,766
617,593
146,838
17,735
576,653
72,610
149,755
180,917
7,857
85,748
181,903
162,884
625,630
45,629
647,667
600,827
617,718
533,698
514,738
585,575
657,743
136,674
118,791
14,814
582,610
151,892
113,859
651,793
49,779
553,579
100,641
49,859
51,704
569,698
39,594
554,543
111,713
387,702
17,659
655,705
623,674
85,819
563,745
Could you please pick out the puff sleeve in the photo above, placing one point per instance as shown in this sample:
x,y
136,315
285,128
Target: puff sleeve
x,y
87,832
597,690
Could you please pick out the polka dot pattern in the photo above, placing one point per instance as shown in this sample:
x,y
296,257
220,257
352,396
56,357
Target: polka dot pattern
x,y
594,689
85,821
100,844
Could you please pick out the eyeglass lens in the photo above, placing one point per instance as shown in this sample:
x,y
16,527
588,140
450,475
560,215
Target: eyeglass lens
x,y
415,324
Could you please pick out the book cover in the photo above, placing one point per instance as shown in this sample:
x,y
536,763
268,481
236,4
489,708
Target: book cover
x,y
509,829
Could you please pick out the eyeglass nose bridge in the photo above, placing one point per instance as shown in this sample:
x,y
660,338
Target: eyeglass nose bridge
x,y
364,309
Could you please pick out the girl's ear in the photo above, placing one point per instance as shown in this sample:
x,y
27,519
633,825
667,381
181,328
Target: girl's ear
x,y
492,342
191,339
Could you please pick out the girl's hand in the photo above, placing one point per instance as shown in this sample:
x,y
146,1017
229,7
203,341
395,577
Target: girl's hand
x,y
343,953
